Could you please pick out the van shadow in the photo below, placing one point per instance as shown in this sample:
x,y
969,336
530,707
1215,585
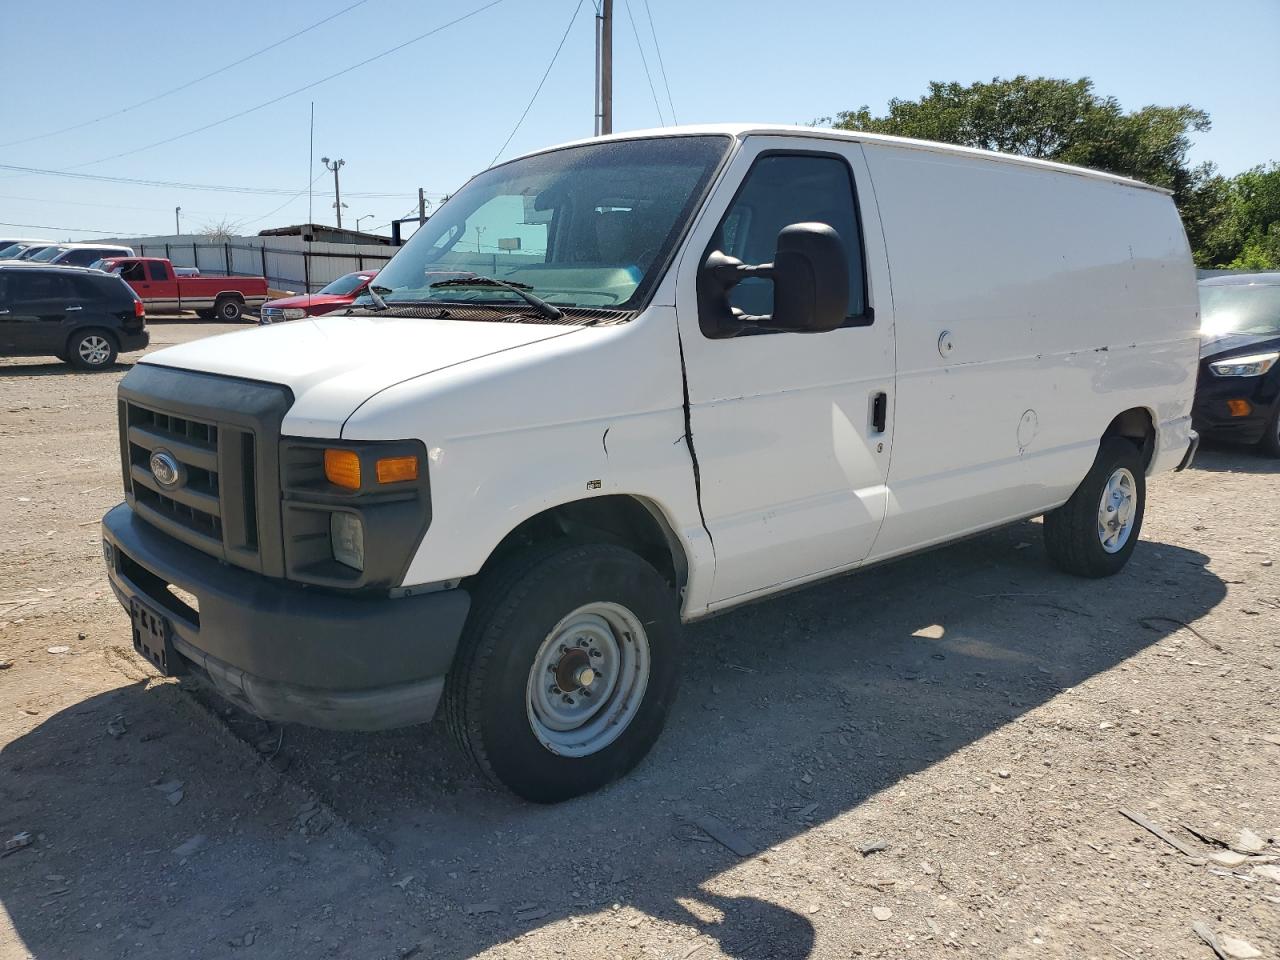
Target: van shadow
x,y
1217,456
791,713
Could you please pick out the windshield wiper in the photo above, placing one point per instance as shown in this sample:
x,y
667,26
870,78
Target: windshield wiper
x,y
521,290
374,290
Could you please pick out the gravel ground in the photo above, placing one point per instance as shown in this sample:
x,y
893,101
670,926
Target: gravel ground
x,y
927,759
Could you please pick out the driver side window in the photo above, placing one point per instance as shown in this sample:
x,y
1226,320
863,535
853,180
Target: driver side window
x,y
782,189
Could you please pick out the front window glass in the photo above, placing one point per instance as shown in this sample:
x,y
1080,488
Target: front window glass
x,y
12,250
1239,308
48,253
345,285
30,252
586,226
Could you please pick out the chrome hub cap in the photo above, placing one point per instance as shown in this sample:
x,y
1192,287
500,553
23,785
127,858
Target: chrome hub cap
x,y
94,350
588,679
1116,510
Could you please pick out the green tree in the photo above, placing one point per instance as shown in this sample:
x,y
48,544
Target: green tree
x,y
1066,120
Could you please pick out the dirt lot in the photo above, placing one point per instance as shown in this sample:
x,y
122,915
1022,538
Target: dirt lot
x,y
980,716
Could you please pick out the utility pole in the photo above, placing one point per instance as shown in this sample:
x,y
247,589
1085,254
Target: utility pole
x,y
177,222
337,195
422,207
604,68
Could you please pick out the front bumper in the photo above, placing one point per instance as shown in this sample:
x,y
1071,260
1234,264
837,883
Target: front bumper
x,y
284,651
1212,417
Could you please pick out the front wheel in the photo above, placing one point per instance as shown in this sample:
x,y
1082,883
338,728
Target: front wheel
x,y
1270,442
1094,533
566,671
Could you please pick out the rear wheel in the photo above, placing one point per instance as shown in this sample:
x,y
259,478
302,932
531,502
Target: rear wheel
x,y
1094,533
206,314
229,309
1270,442
91,349
567,668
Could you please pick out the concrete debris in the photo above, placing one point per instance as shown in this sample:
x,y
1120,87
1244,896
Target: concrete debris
x,y
1249,842
875,846
1238,949
116,726
16,843
725,835
60,649
190,846
404,881
882,913
1268,873
1228,858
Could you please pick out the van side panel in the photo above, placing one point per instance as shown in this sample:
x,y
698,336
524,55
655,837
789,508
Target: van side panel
x,y
1032,306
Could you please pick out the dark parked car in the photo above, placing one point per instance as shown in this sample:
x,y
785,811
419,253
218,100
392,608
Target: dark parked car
x,y
1238,394
83,317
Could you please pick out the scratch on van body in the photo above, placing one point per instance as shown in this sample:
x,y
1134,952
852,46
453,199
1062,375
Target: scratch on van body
x,y
604,442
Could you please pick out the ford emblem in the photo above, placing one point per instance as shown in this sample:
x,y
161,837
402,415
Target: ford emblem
x,y
165,468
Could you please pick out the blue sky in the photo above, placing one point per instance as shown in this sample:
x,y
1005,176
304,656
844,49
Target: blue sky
x,y
438,110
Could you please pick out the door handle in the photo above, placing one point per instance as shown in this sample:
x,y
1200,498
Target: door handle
x,y
69,309
879,412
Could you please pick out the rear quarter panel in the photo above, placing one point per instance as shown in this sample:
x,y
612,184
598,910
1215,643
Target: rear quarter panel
x,y
1068,299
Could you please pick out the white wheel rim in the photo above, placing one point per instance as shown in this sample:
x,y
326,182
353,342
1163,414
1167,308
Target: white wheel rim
x,y
1117,510
94,350
588,680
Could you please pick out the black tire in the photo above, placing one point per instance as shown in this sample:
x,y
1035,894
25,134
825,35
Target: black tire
x,y
228,310
206,314
1270,442
515,609
92,349
1071,533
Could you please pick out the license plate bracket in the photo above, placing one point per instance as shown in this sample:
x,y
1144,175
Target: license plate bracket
x,y
153,637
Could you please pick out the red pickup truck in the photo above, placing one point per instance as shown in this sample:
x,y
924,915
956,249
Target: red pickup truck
x,y
163,291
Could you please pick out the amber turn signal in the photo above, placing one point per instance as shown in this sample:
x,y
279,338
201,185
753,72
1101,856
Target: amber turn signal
x,y
342,468
1240,408
397,469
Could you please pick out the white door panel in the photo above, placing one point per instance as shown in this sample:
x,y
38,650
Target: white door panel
x,y
792,470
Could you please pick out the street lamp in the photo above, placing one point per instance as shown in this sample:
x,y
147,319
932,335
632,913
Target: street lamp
x,y
358,219
337,195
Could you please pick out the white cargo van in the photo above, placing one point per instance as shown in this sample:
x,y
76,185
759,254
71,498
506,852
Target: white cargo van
x,y
637,380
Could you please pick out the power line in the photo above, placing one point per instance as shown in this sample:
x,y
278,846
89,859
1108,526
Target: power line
x,y
662,66
189,83
645,61
179,185
546,73
294,92
45,226
80,203
240,224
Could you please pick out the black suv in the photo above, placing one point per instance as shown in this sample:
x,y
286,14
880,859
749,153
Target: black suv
x,y
83,317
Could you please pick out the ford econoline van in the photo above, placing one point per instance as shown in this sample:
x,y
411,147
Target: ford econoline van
x,y
633,381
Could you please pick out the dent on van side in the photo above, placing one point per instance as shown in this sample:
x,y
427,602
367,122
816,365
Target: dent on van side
x,y
631,381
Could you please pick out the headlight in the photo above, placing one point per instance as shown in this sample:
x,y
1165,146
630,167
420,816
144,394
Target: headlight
x,y
1251,366
294,313
346,533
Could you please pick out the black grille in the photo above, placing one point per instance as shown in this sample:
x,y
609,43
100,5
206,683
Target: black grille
x,y
223,436
193,503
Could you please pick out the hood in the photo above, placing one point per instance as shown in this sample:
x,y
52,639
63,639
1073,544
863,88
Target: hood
x,y
1234,342
310,301
334,364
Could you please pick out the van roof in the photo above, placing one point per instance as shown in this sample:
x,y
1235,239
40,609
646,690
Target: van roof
x,y
741,130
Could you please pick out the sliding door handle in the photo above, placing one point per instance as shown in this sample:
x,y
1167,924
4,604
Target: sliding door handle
x,y
879,412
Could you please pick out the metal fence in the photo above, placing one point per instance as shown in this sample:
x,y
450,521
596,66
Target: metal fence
x,y
289,263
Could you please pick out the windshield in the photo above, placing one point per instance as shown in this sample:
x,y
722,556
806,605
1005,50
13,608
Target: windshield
x,y
586,226
48,253
345,285
1239,308
11,251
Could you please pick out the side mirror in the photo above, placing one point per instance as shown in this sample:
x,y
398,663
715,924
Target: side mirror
x,y
810,275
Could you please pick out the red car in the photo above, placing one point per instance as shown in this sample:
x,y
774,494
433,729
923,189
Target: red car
x,y
338,294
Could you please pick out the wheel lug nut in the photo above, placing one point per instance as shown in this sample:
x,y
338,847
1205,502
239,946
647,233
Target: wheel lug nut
x,y
555,689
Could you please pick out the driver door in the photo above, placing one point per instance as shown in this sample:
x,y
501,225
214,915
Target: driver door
x,y
791,431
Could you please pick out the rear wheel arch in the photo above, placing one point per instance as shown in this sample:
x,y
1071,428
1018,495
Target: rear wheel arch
x,y
1138,425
